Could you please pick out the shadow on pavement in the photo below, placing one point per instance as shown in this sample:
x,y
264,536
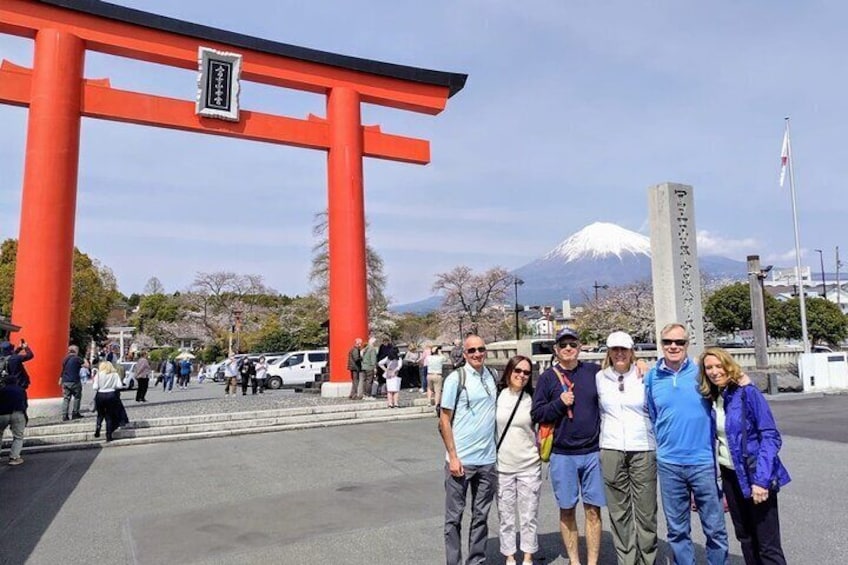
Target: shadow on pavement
x,y
32,494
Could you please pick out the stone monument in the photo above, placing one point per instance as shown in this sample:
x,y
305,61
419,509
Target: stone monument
x,y
674,261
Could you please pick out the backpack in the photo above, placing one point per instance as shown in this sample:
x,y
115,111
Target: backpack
x,y
4,370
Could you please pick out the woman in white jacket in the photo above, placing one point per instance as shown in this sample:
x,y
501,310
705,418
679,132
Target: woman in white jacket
x,y
628,454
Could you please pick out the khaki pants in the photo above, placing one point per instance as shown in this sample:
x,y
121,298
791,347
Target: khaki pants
x,y
630,481
434,383
231,382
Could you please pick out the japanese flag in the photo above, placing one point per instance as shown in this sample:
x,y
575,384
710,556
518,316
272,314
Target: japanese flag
x,y
784,156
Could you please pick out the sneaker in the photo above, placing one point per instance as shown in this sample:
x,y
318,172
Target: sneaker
x,y
16,461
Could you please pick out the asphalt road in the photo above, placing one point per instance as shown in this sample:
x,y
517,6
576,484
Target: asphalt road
x,y
359,494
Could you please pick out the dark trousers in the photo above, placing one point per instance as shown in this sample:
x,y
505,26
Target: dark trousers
x,y
141,392
757,526
245,380
483,480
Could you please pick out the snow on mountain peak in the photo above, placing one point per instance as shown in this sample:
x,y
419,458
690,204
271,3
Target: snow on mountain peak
x,y
600,240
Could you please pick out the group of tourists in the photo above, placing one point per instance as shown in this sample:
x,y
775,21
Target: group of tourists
x,y
251,374
698,426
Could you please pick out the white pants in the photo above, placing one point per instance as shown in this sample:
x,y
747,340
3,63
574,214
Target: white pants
x,y
519,491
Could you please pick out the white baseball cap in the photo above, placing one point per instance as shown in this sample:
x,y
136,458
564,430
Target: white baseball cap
x,y
620,339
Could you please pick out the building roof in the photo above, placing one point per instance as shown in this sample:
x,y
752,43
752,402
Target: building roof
x,y
454,82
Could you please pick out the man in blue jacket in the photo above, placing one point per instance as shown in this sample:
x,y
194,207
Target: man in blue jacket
x,y
685,449
567,394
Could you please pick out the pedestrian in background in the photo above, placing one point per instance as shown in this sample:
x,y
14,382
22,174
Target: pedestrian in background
x,y
435,364
391,366
13,405
519,465
354,365
142,375
422,367
71,382
747,445
231,372
247,371
369,368
185,373
261,373
106,385
628,454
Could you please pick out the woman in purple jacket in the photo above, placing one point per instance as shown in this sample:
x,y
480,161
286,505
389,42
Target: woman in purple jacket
x,y
747,445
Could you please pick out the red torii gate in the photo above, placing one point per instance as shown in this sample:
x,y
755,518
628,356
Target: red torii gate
x,y
58,96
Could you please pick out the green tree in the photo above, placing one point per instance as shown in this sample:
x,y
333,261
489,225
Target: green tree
x,y
825,322
729,310
94,291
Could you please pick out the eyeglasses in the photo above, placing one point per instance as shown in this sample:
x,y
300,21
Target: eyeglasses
x,y
677,342
522,372
569,344
473,350
620,383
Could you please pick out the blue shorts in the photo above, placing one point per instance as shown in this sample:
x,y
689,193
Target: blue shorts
x,y
576,476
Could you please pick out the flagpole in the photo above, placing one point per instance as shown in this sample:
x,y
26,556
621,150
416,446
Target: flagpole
x,y
799,278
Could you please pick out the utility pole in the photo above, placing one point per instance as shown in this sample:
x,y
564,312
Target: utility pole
x,y
596,286
758,319
838,287
821,262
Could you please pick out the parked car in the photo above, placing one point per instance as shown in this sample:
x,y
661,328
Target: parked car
x,y
129,374
298,368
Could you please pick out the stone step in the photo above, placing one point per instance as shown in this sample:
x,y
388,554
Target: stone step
x,y
80,436
87,423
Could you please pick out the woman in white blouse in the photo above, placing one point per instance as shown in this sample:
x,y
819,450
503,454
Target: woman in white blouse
x,y
628,454
519,466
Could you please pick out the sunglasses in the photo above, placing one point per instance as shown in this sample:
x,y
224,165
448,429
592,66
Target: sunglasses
x,y
620,383
569,344
677,342
473,350
522,372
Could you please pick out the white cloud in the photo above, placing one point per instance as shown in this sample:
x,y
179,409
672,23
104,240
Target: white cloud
x,y
713,244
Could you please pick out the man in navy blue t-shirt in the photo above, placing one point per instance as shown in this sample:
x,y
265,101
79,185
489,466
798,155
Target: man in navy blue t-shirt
x,y
567,394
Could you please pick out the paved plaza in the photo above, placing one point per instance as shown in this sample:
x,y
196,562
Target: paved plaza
x,y
359,494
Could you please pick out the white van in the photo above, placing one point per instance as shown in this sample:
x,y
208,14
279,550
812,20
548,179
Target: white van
x,y
297,368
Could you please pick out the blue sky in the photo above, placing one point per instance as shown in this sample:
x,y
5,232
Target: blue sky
x,y
571,110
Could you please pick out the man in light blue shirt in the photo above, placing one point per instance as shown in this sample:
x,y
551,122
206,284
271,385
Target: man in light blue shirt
x,y
685,457
467,425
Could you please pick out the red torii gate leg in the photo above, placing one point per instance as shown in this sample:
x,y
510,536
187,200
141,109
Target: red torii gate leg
x,y
346,219
42,301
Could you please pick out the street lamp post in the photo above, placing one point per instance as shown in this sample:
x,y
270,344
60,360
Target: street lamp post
x,y
596,286
237,316
517,282
821,261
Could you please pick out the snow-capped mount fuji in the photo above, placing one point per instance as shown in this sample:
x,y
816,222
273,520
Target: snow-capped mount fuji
x,y
600,254
601,240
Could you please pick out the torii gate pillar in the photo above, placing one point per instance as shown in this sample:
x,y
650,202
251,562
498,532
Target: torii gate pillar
x,y
346,221
46,245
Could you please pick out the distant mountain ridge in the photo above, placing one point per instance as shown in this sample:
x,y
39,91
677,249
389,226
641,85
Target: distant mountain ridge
x,y
600,254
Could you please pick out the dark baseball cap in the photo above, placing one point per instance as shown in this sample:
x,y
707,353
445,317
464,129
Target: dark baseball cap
x,y
567,333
